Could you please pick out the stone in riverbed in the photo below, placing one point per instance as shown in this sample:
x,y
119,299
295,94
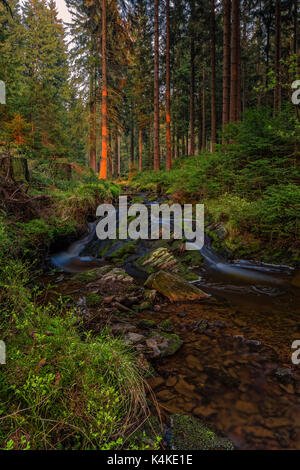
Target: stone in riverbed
x,y
162,344
174,288
91,275
160,258
132,338
166,326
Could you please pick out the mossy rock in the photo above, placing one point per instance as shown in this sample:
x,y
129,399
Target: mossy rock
x,y
188,275
187,433
146,324
124,251
92,275
144,306
168,343
93,300
193,258
174,287
159,258
166,326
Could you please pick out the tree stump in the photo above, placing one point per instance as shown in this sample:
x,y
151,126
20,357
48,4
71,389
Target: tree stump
x,y
14,168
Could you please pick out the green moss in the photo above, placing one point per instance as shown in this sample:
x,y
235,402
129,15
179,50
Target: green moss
x,y
147,324
174,343
124,252
190,434
193,258
93,300
166,326
150,433
91,275
188,275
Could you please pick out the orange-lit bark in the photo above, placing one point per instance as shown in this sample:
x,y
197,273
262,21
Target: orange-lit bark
x,y
103,166
168,89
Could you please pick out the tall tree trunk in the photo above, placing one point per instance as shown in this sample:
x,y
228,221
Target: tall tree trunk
x,y
239,80
119,152
132,146
244,63
226,62
109,151
192,85
103,166
213,74
203,144
199,121
116,173
156,86
235,41
277,89
93,122
296,45
140,149
168,89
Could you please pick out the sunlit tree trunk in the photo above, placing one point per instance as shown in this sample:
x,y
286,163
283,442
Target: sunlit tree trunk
x,y
168,89
226,62
213,74
156,86
103,166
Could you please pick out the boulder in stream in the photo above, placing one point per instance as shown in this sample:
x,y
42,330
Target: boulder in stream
x,y
174,287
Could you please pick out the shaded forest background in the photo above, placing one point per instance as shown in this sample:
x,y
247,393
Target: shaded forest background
x,y
160,84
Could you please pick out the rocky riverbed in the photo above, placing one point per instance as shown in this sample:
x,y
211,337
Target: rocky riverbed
x,y
222,364
212,337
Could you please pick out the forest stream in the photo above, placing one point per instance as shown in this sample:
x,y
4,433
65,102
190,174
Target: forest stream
x,y
234,368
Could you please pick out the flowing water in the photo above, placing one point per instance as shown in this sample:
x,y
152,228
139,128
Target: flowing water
x,y
234,369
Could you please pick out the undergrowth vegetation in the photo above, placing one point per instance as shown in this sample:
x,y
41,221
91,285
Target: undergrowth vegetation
x,y
250,182
62,388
